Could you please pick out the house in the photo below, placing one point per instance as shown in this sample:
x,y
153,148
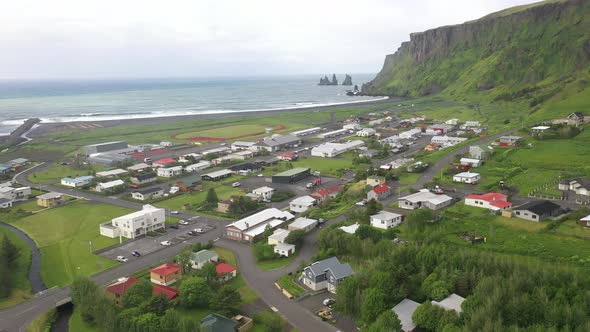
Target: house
x,y
165,274
539,130
225,271
189,183
375,122
135,224
447,140
451,302
148,193
292,176
217,175
77,182
264,192
284,249
326,274
304,224
223,206
576,119
165,144
267,161
5,203
329,150
379,192
15,194
189,158
117,290
470,124
143,179
471,162
109,186
375,180
323,194
170,171
467,177
6,168
386,220
366,132
104,147
218,323
416,132
112,173
452,122
288,156
163,162
200,258
279,236
441,129
350,229
198,166
580,186
425,198
334,133
490,201
240,146
369,153
253,226
278,142
49,199
168,292
480,152
302,204
404,311
585,221
352,126
245,168
510,140
19,162
537,210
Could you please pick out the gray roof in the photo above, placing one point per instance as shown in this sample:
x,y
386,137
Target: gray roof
x,y
280,140
148,190
404,311
451,302
50,195
5,200
203,256
332,264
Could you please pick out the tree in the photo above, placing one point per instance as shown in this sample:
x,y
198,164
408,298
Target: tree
x,y
267,231
211,198
10,252
194,293
426,316
84,295
184,260
138,293
373,207
263,251
226,300
208,272
296,237
387,321
156,304
368,232
372,305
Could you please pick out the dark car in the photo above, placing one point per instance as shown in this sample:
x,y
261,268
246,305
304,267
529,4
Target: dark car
x,y
173,226
135,253
193,233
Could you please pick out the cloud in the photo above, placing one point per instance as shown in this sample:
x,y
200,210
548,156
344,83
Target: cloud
x,y
149,38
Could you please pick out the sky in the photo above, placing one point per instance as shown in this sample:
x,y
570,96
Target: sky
x,y
201,38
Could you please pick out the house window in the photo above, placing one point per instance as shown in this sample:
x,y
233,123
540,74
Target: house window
x,y
534,216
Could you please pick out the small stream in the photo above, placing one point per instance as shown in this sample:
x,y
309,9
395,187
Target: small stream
x,y
62,323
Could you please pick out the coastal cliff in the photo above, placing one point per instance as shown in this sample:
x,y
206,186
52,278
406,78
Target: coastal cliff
x,y
532,51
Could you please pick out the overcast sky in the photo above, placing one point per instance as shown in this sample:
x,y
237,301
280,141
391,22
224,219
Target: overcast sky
x,y
155,38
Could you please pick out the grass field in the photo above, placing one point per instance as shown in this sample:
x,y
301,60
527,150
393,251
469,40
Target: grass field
x,y
274,264
22,287
326,166
197,198
78,325
409,178
63,236
290,286
247,294
58,172
231,131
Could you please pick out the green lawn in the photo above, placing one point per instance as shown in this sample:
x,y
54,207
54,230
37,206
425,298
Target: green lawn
x,y
409,178
326,166
197,198
22,287
79,325
247,294
290,286
277,263
63,236
228,131
58,172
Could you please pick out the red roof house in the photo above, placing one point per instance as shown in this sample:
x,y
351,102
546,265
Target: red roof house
x,y
328,192
379,192
164,161
119,288
165,274
169,292
491,201
287,156
225,271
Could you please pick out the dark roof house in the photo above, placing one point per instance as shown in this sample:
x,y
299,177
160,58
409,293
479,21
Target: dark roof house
x,y
537,210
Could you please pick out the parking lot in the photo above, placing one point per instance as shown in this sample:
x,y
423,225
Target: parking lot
x,y
314,303
149,245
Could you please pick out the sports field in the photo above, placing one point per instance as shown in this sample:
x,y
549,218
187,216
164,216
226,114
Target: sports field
x,y
229,132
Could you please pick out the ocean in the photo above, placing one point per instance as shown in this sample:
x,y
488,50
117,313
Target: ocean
x,y
95,100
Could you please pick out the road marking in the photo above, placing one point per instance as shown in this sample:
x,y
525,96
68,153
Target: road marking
x,y
29,309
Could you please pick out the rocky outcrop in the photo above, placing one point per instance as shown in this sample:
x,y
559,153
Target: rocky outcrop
x,y
326,81
347,80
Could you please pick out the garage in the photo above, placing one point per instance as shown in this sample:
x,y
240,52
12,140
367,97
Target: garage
x,y
291,176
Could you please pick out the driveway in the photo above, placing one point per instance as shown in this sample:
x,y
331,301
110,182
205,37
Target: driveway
x,y
314,303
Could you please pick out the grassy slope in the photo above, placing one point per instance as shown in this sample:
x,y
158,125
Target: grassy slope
x,y
22,287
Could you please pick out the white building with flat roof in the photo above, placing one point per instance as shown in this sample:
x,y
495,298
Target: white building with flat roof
x,y
425,198
135,224
302,204
198,166
106,186
111,174
252,226
386,220
366,132
467,177
264,192
279,236
329,150
76,182
304,224
447,140
170,171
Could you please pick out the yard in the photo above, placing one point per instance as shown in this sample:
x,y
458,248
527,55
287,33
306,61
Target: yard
x,y
64,235
58,172
22,287
287,283
197,198
326,166
277,263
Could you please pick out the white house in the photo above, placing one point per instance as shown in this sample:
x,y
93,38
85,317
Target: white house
x,y
352,126
15,194
471,162
76,182
329,150
278,236
366,132
284,249
135,224
147,193
416,132
490,201
385,219
304,224
333,133
200,258
302,204
247,229
170,171
111,174
452,122
106,186
264,192
237,146
467,177
198,166
424,198
447,140
471,124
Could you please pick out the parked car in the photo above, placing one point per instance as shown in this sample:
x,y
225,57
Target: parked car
x,y
362,203
174,212
193,233
173,226
135,253
198,230
184,222
236,184
122,259
166,243
328,302
309,185
260,175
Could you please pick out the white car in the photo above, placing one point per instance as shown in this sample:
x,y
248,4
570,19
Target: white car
x,y
236,184
184,222
122,259
174,212
166,243
328,302
362,203
198,230
260,175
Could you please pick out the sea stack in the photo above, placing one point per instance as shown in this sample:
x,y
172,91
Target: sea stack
x,y
347,80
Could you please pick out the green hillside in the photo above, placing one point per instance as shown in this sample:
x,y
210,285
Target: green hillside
x,y
537,55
